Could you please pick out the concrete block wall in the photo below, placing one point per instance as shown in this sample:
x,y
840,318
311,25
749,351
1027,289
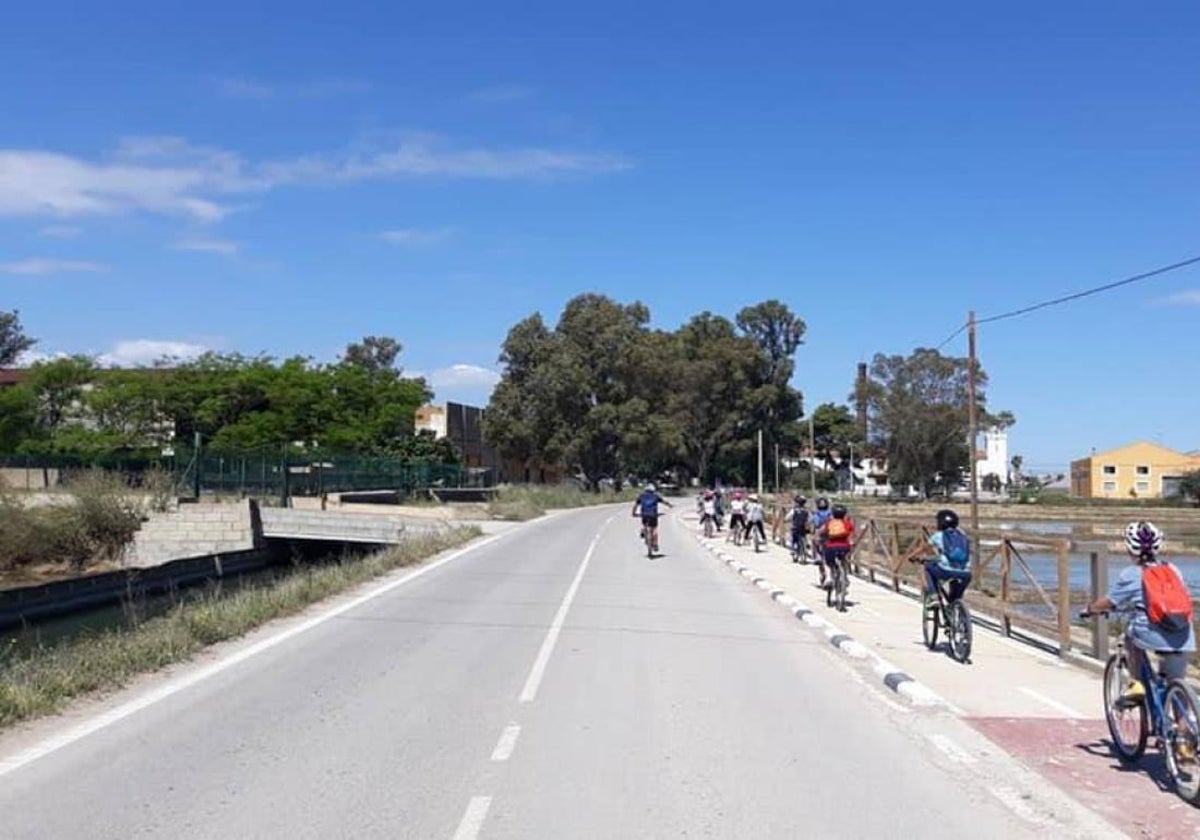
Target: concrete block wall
x,y
192,531
329,525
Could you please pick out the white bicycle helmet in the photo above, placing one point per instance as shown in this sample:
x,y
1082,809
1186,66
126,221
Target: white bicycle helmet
x,y
1142,538
650,488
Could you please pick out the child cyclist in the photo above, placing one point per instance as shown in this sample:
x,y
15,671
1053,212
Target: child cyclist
x,y
646,507
737,517
836,531
820,517
1154,593
798,517
754,518
953,561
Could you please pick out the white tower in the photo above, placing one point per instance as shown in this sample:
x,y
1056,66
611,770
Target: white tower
x,y
995,460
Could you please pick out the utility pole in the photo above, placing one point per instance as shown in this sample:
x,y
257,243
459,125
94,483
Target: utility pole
x,y
760,463
973,432
777,468
812,459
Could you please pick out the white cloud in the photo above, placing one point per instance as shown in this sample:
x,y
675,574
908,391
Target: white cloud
x,y
224,247
145,351
43,266
170,176
1188,297
496,94
242,88
464,376
417,236
60,231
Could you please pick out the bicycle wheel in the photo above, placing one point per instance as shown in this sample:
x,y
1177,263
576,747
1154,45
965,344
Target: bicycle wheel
x,y
958,630
930,621
1182,710
708,529
831,588
1126,724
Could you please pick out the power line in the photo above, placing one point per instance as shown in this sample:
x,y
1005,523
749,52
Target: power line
x,y
953,336
1086,293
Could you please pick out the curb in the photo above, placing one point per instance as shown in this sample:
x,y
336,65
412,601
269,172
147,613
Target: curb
x,y
901,683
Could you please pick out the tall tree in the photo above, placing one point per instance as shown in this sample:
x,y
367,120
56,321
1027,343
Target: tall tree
x,y
374,353
918,406
13,340
835,430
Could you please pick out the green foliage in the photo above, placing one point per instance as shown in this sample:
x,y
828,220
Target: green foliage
x,y
919,407
1189,486
604,396
13,341
835,429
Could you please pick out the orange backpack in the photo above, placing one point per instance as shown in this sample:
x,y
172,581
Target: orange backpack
x,y
837,529
1168,602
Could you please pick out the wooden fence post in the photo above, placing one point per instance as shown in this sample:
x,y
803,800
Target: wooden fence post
x,y
1064,599
1005,580
1099,588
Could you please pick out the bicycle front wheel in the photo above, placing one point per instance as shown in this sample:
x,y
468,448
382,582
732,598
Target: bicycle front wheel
x,y
930,622
842,583
959,630
1126,722
1182,709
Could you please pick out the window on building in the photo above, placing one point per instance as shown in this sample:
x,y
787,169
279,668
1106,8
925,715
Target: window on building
x,y
1143,486
1110,469
1110,487
1143,470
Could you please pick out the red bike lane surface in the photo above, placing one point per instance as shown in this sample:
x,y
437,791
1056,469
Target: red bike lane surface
x,y
1076,756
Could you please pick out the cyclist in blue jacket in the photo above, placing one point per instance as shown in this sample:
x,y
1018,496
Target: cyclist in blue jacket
x,y
953,560
646,507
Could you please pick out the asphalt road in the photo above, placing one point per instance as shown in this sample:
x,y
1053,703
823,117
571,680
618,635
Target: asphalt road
x,y
553,683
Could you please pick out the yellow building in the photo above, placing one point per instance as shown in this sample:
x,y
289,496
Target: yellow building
x,y
1140,470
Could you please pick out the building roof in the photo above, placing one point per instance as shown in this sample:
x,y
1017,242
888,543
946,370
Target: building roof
x,y
11,376
1166,451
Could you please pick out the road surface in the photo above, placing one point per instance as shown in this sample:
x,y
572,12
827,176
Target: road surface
x,y
551,683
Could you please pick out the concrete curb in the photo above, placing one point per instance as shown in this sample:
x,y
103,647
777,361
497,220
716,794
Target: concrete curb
x,y
901,683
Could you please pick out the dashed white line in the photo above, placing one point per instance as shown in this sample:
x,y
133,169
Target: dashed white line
x,y
507,743
529,692
472,820
1051,702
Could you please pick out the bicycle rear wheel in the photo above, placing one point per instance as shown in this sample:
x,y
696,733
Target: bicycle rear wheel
x,y
959,630
931,615
831,588
1182,709
1126,724
842,584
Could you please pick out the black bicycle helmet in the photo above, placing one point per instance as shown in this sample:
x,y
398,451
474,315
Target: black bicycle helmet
x,y
946,519
839,511
800,500
822,503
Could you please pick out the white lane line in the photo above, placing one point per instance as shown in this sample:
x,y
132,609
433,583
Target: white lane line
x,y
507,743
951,749
1051,702
157,695
543,658
472,820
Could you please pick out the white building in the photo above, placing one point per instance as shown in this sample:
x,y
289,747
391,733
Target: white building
x,y
992,459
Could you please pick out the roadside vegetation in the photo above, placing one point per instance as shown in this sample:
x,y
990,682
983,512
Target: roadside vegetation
x,y
44,681
518,503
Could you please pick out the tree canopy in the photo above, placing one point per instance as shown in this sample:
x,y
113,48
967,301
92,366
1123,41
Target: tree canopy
x,y
13,341
606,396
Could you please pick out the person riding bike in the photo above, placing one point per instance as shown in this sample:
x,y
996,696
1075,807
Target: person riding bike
x,y
646,506
737,515
1155,595
708,509
754,517
952,562
798,517
837,531
819,518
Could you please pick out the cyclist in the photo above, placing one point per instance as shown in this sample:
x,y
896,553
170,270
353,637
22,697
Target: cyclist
x,y
719,499
737,516
798,517
708,509
754,517
820,517
646,507
1174,637
837,531
954,553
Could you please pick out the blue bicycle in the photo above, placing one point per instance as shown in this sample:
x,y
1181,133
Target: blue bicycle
x,y
1170,710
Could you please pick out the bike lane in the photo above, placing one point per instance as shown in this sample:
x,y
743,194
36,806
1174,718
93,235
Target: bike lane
x,y
1041,710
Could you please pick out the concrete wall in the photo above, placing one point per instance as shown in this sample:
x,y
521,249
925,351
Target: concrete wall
x,y
36,480
192,531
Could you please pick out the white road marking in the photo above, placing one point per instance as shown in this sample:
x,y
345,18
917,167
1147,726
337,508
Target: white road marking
x,y
543,658
507,743
173,687
472,820
951,749
1051,702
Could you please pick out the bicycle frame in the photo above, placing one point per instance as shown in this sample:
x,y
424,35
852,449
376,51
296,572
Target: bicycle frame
x,y
1156,692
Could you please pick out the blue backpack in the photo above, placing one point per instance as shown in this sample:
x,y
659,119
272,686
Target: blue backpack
x,y
956,547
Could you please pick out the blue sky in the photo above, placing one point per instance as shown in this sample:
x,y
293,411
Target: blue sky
x,y
286,178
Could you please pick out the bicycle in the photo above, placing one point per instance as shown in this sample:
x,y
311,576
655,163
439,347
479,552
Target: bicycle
x,y
708,526
758,537
950,613
839,583
1170,711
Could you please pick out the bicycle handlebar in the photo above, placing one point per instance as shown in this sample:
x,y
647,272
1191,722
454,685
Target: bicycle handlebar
x,y
1090,614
